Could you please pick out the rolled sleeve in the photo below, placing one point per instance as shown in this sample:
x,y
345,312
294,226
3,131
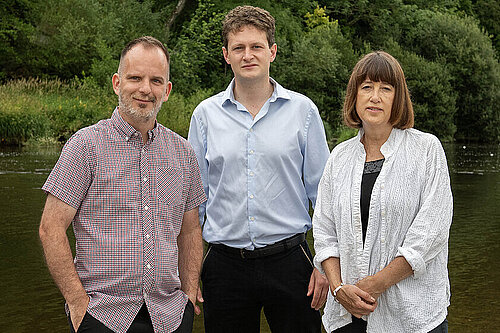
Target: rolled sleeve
x,y
428,234
324,228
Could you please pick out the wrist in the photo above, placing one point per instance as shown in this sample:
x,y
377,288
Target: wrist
x,y
336,290
380,283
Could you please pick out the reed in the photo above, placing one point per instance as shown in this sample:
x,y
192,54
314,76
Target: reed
x,y
40,110
37,109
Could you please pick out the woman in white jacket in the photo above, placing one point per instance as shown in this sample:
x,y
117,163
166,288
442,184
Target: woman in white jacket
x,y
383,213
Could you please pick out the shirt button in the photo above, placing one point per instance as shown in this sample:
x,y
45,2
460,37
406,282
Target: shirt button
x,y
147,236
251,151
251,129
136,134
251,173
146,207
383,213
382,186
126,138
251,196
252,218
145,179
148,266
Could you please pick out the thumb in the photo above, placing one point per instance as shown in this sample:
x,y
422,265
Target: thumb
x,y
310,287
199,296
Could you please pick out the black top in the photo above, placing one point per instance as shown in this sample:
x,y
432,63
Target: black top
x,y
370,174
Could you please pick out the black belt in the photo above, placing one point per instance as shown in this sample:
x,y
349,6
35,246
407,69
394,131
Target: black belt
x,y
265,251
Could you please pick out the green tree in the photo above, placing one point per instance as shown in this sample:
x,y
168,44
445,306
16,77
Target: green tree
x,y
460,45
488,13
431,92
16,26
197,61
87,35
319,67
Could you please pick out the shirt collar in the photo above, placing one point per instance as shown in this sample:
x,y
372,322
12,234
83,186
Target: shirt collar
x,y
278,92
127,130
390,146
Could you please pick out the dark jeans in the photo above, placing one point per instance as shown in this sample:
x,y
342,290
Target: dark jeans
x,y
141,324
359,326
235,290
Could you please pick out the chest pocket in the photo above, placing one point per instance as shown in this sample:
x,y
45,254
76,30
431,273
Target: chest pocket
x,y
169,185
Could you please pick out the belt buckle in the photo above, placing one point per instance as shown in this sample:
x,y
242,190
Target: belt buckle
x,y
242,253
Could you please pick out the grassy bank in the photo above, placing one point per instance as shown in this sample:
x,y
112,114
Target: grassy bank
x,y
43,110
48,111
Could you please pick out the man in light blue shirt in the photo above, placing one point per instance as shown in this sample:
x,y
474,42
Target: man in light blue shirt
x,y
261,150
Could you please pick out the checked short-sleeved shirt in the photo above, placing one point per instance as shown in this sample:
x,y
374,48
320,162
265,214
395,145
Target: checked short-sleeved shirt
x,y
130,199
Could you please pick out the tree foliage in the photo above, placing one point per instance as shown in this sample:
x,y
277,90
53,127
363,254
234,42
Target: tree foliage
x,y
325,80
449,50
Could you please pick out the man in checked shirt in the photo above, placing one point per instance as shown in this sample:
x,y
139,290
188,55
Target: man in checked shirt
x,y
131,188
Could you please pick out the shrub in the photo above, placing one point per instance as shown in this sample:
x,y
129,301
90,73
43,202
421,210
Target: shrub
x,y
176,112
320,67
431,92
462,47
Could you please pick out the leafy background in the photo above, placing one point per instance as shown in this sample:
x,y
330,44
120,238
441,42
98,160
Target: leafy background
x,y
57,58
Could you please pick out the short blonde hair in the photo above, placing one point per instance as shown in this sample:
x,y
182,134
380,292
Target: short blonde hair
x,y
379,66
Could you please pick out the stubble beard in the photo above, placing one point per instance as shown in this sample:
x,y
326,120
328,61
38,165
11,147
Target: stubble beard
x,y
125,104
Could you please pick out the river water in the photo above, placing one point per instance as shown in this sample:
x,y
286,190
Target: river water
x,y
32,303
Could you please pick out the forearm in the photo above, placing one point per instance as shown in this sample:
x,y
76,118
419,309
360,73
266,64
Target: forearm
x,y
331,267
56,218
397,270
60,263
190,246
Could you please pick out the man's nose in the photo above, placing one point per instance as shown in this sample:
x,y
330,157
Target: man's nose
x,y
248,54
145,87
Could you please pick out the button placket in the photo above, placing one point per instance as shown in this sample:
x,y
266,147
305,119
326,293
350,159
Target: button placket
x,y
251,181
147,220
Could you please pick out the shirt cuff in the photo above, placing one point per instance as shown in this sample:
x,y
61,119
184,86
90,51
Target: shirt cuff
x,y
323,255
415,260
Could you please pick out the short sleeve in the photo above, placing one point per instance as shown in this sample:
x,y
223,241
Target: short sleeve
x,y
71,177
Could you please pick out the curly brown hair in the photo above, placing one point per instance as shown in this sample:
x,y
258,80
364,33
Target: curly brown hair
x,y
248,15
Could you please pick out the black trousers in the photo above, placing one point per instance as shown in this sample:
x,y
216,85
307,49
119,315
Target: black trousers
x,y
235,291
141,324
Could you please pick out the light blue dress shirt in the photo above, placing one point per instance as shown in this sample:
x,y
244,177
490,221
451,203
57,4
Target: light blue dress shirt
x,y
259,174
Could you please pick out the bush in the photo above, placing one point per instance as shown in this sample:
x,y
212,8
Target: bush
x,y
320,67
460,45
431,92
176,112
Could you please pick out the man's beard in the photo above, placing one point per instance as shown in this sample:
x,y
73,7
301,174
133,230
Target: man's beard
x,y
125,105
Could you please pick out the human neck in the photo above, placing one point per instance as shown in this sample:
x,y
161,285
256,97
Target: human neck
x,y
142,125
253,94
373,139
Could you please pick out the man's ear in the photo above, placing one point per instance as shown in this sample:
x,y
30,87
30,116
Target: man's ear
x,y
224,52
274,50
169,89
116,83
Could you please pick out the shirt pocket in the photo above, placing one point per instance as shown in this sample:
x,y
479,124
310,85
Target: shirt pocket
x,y
170,199
169,186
